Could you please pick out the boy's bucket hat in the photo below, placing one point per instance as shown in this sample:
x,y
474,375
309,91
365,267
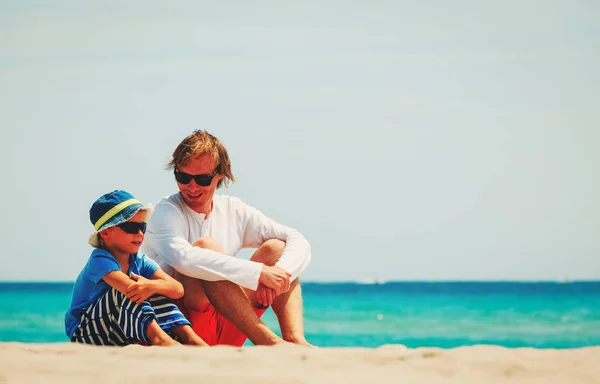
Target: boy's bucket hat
x,y
111,209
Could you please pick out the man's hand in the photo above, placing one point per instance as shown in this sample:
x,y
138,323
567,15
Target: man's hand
x,y
275,278
140,290
265,295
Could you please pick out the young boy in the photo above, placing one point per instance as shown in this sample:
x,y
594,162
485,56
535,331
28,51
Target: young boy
x,y
121,296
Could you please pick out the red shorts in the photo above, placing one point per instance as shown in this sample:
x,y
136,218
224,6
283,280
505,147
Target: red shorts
x,y
213,327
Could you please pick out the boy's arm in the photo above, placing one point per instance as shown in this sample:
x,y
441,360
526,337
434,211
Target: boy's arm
x,y
138,288
160,283
118,280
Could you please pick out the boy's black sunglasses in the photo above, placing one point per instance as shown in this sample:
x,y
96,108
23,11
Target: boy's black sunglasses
x,y
201,180
132,227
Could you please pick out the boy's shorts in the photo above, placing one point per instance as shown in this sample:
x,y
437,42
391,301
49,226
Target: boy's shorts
x,y
213,327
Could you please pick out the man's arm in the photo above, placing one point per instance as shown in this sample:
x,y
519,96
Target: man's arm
x,y
259,228
167,235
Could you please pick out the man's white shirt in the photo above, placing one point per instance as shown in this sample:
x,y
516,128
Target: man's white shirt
x,y
174,227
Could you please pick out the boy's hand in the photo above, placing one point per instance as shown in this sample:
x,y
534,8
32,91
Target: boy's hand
x,y
140,290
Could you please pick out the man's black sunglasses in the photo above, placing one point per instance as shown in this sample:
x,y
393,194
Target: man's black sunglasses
x,y
201,180
132,227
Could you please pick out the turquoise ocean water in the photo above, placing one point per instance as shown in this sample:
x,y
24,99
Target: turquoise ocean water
x,y
441,314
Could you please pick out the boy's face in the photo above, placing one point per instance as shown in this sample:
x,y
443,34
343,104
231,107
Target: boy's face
x,y
117,239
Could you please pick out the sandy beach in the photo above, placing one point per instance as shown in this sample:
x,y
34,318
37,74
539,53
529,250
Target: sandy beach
x,y
70,363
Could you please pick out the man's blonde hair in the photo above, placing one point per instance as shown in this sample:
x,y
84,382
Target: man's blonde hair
x,y
201,143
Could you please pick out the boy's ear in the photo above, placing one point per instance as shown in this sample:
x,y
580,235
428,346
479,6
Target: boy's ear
x,y
104,233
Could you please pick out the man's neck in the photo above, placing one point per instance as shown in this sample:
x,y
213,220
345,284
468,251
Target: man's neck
x,y
206,209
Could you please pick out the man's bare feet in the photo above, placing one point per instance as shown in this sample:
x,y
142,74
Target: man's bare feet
x,y
298,341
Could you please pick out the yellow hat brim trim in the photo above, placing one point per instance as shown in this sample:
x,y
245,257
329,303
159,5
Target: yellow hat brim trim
x,y
113,211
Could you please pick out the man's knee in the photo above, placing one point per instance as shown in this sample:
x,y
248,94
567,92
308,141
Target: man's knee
x,y
275,246
208,243
269,252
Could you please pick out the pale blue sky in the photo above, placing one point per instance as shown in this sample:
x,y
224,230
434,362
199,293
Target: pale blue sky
x,y
419,140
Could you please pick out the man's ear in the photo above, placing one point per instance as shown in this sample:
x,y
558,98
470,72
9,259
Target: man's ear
x,y
105,232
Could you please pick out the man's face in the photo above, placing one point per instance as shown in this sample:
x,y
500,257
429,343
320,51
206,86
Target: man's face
x,y
199,197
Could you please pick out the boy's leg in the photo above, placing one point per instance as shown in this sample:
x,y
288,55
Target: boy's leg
x,y
158,337
171,320
139,322
115,320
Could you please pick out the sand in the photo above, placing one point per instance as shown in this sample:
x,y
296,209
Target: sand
x,y
71,363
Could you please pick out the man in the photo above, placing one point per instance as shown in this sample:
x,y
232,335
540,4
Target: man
x,y
195,235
